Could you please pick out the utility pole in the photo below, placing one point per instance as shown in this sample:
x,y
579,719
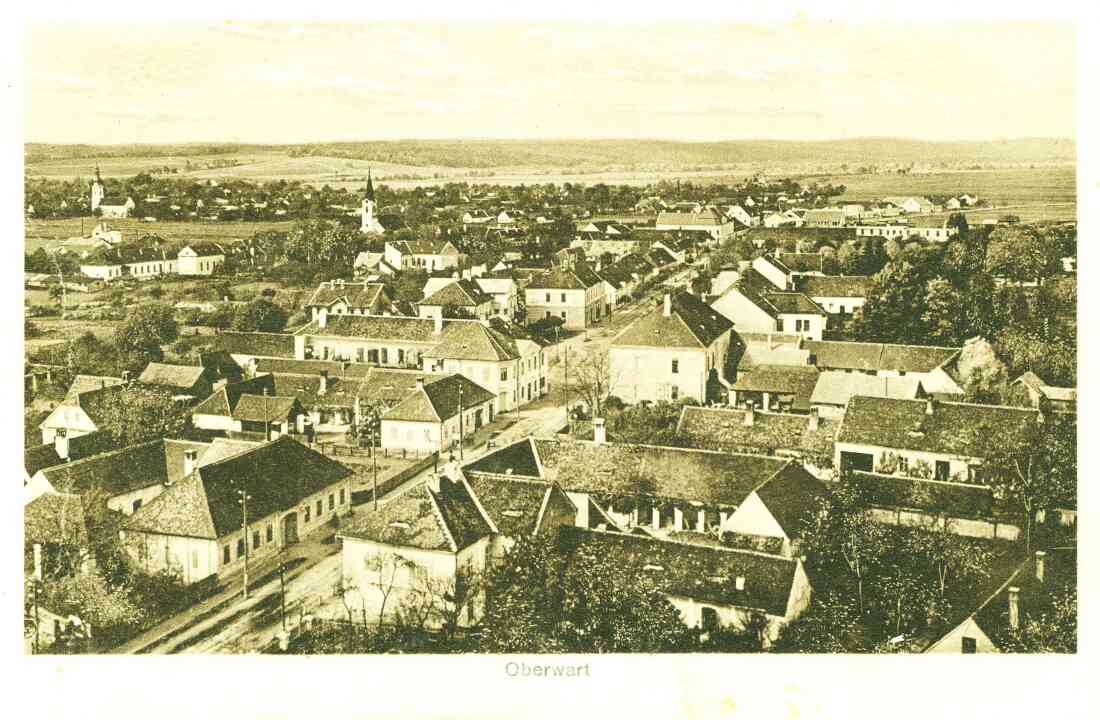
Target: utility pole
x,y
282,588
565,392
461,455
375,424
267,419
35,579
245,497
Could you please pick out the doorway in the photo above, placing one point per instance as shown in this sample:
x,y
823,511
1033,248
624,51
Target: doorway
x,y
290,529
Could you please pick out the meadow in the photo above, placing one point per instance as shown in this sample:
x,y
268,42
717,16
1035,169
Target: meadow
x,y
1010,186
46,233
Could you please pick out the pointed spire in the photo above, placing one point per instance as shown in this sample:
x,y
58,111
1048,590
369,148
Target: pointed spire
x,y
97,176
370,186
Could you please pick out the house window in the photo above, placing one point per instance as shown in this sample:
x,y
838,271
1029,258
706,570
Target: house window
x,y
307,512
194,558
562,314
547,297
969,646
320,508
225,554
341,496
563,297
675,367
255,539
385,356
710,619
903,464
503,374
331,501
674,391
137,504
240,547
270,533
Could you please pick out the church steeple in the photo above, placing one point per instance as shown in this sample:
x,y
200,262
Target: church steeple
x,y
370,187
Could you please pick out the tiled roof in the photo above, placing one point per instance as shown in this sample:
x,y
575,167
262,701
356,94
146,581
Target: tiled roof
x,y
470,340
85,383
438,400
760,292
791,495
376,327
447,520
615,470
55,517
835,387
182,377
427,246
707,217
206,504
278,345
952,428
793,303
513,505
81,446
1035,598
796,380
307,390
849,286
691,323
220,363
336,370
960,500
122,471
222,401
356,295
725,430
580,277
877,356
263,408
706,574
463,293
803,262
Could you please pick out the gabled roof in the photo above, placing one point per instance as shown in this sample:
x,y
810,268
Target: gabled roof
x,y
758,290
579,277
471,340
81,446
463,293
429,246
448,520
182,377
704,573
803,262
356,295
724,429
54,517
791,495
223,400
952,428
796,380
957,500
835,387
375,327
313,368
279,345
85,383
616,469
219,363
709,216
690,323
206,503
122,471
878,356
262,408
438,400
850,286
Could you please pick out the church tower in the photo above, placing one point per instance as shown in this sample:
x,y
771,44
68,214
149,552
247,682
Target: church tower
x,y
97,189
369,224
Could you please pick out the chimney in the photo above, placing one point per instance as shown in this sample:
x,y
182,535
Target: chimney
x,y
930,407
322,317
1014,607
750,414
438,323
420,383
61,443
323,388
1040,565
815,419
599,431
668,304
190,457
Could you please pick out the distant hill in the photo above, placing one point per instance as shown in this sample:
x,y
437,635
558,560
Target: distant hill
x,y
574,154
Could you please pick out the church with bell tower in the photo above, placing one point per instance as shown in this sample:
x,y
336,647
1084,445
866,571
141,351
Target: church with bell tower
x,y
370,223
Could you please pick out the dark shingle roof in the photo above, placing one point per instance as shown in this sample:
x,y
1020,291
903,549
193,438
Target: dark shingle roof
x,y
960,500
691,323
725,430
122,471
703,573
438,400
55,517
462,293
356,295
850,286
519,459
470,340
376,327
80,447
952,428
182,377
877,356
796,380
263,408
278,345
791,495
580,277
276,476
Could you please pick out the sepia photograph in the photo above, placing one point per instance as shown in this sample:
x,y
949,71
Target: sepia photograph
x,y
549,341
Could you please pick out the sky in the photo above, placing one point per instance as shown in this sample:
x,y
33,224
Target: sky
x,y
287,83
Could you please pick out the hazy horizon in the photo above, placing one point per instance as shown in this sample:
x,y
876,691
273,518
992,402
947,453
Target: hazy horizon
x,y
265,83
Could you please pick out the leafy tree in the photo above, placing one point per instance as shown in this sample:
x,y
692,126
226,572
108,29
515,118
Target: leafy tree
x,y
1021,253
1050,630
649,424
138,414
89,597
260,316
983,374
594,380
147,328
830,625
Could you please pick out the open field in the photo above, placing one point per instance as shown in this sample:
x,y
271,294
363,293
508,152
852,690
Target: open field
x,y
1017,186
45,233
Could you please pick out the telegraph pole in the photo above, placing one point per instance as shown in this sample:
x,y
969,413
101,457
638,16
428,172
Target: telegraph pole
x,y
461,455
35,579
244,531
282,588
565,391
375,424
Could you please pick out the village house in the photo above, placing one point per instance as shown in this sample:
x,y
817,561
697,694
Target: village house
x,y
338,297
372,264
773,516
1027,593
941,440
199,258
754,305
457,298
431,545
825,218
77,447
438,414
326,390
245,348
911,204
708,220
677,350
932,365
839,295
1058,399
123,479
196,525
806,438
430,255
782,388
574,294
84,409
108,207
251,409
834,389
182,381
